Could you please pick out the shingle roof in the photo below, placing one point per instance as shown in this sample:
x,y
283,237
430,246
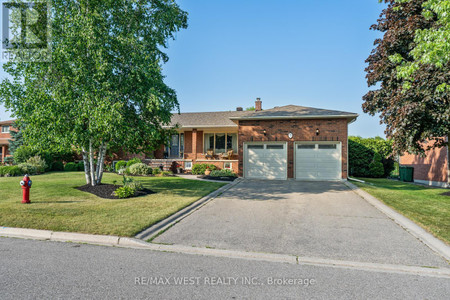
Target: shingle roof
x,y
225,118
207,119
295,112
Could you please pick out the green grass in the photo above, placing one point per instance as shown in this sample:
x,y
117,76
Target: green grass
x,y
58,206
426,206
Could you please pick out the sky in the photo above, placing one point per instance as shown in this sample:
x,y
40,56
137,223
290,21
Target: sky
x,y
308,53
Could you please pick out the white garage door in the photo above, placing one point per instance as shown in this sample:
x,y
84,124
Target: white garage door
x,y
266,161
321,161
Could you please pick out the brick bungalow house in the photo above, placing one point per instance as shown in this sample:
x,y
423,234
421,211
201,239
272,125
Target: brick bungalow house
x,y
5,136
283,142
431,169
279,143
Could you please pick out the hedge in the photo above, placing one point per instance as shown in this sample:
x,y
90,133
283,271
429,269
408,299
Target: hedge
x,y
58,166
71,167
10,171
361,152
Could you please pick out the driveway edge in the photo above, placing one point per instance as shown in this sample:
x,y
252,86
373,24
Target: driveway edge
x,y
415,230
165,224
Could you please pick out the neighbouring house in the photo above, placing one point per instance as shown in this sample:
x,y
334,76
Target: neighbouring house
x,y
431,169
5,136
283,142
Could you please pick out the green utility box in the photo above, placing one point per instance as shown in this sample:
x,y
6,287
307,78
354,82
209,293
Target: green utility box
x,y
406,174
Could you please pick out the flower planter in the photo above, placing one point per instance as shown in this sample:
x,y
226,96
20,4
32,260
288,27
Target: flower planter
x,y
207,172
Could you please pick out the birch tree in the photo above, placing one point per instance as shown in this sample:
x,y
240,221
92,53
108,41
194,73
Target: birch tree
x,y
103,86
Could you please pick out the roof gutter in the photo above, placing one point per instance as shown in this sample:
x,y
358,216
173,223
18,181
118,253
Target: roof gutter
x,y
353,117
201,126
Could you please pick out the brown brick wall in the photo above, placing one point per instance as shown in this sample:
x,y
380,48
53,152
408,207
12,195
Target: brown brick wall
x,y
302,130
432,167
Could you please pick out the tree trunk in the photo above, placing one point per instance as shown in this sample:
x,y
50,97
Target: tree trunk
x,y
92,165
448,161
86,166
101,162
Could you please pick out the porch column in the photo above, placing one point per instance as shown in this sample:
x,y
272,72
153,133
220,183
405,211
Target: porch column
x,y
3,153
194,143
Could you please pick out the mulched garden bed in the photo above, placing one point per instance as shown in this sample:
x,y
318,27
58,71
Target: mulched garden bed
x,y
222,178
106,191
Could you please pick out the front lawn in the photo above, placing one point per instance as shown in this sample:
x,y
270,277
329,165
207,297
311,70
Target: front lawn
x,y
426,206
58,206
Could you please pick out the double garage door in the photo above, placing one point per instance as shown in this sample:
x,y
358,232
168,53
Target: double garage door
x,y
312,161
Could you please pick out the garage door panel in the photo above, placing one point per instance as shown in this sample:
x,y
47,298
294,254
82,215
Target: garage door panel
x,y
266,161
318,161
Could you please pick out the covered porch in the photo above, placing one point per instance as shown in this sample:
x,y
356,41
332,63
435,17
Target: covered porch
x,y
217,146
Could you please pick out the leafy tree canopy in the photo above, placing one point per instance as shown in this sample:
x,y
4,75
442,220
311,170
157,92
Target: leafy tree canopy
x,y
104,85
419,111
432,45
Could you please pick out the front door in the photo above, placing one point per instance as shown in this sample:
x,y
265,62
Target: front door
x,y
174,150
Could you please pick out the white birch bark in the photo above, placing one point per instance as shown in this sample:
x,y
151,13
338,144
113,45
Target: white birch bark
x,y
86,165
101,162
92,165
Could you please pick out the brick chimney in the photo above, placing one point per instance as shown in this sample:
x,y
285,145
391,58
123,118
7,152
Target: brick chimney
x,y
258,104
239,109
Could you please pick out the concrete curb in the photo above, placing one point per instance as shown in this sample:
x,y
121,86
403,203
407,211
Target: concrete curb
x,y
57,236
415,230
132,243
163,225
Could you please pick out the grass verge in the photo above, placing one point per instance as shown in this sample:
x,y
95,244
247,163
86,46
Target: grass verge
x,y
426,206
58,206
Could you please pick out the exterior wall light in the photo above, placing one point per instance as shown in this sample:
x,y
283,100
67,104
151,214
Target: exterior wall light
x,y
317,131
265,132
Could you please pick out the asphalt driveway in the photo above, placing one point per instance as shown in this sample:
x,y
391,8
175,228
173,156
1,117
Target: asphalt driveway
x,y
313,219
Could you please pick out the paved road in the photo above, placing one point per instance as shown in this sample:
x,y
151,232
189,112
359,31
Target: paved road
x,y
48,270
313,219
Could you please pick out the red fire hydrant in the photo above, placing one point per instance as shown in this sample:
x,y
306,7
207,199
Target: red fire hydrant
x,y
26,186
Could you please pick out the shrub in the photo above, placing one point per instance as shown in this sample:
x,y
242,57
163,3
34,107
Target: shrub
x,y
376,167
58,166
27,168
10,171
166,173
135,185
121,164
124,192
133,162
156,171
139,169
199,169
38,163
222,173
70,167
122,171
23,154
80,166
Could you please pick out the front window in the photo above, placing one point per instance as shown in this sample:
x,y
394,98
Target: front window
x,y
220,142
5,129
